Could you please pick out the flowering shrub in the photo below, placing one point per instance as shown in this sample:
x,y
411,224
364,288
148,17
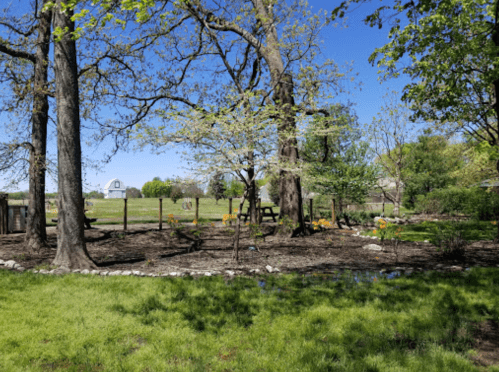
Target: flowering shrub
x,y
384,230
321,224
228,218
286,225
174,224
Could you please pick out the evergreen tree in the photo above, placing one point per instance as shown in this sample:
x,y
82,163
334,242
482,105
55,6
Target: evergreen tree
x,y
217,187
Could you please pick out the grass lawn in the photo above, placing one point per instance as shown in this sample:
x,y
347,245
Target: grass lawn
x,y
286,323
471,230
110,211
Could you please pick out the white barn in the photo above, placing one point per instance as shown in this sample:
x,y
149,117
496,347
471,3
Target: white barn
x,y
115,189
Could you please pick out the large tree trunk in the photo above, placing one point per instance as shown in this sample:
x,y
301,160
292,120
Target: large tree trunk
x,y
396,204
289,186
252,199
36,233
291,203
71,249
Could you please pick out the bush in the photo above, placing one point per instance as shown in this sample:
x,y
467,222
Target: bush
x,y
449,240
133,193
478,202
157,189
176,194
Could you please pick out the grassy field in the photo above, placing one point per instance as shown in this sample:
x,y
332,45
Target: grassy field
x,y
110,211
470,230
286,323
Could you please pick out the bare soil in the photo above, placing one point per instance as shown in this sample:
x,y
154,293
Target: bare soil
x,y
143,247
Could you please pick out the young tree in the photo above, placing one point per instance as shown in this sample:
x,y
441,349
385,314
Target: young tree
x,y
337,163
157,188
133,193
429,168
71,248
390,133
217,187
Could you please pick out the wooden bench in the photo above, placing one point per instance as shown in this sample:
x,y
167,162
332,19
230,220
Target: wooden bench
x,y
86,220
263,213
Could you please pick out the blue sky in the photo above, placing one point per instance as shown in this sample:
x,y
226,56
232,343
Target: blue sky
x,y
352,43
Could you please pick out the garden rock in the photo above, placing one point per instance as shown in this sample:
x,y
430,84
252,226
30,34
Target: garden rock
x,y
136,272
61,270
115,273
10,264
230,273
126,273
175,274
20,268
35,271
256,271
94,272
207,274
456,268
269,268
373,247
2,262
77,271
85,272
104,273
43,271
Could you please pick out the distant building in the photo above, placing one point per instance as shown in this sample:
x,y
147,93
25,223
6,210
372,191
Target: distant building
x,y
115,189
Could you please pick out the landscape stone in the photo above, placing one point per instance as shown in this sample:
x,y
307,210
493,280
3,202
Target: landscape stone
x,y
2,262
76,271
269,268
207,274
126,273
10,263
373,247
175,273
85,271
104,273
95,272
153,275
231,273
16,266
61,270
115,273
43,271
136,272
35,271
52,271
256,271
20,268
456,268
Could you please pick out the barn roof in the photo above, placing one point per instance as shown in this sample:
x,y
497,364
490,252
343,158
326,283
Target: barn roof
x,y
108,185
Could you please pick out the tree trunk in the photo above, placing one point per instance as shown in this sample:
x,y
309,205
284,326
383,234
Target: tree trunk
x,y
71,249
36,232
235,254
291,204
252,196
396,204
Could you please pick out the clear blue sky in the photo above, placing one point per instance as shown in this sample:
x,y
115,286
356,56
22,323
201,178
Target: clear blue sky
x,y
353,43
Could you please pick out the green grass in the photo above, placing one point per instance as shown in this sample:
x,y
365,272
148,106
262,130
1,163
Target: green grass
x,y
86,323
471,230
110,211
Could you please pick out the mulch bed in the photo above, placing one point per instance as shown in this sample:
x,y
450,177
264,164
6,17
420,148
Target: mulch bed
x,y
145,248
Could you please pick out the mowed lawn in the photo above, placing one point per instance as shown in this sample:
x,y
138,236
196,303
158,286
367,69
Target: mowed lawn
x,y
111,211
288,323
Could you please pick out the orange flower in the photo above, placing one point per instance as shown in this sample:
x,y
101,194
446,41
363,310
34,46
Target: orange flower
x,y
374,232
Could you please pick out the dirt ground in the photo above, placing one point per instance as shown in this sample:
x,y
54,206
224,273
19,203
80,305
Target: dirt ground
x,y
146,249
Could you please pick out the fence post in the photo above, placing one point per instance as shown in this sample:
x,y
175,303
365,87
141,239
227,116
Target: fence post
x,y
124,215
230,205
160,213
197,208
311,201
259,215
4,214
333,215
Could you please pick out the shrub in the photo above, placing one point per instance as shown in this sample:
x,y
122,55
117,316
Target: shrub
x,y
449,239
176,194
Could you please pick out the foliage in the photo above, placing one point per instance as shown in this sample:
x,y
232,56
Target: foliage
x,y
321,224
133,193
176,193
429,168
20,195
448,48
286,225
336,158
273,190
157,189
216,187
449,239
234,189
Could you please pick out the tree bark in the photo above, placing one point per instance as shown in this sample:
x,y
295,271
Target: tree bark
x,y
36,232
71,249
235,253
252,199
291,203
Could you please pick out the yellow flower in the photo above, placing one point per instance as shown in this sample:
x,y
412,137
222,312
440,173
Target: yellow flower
x,y
494,222
213,224
176,221
382,226
170,215
235,210
376,258
374,231
195,222
381,221
247,223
